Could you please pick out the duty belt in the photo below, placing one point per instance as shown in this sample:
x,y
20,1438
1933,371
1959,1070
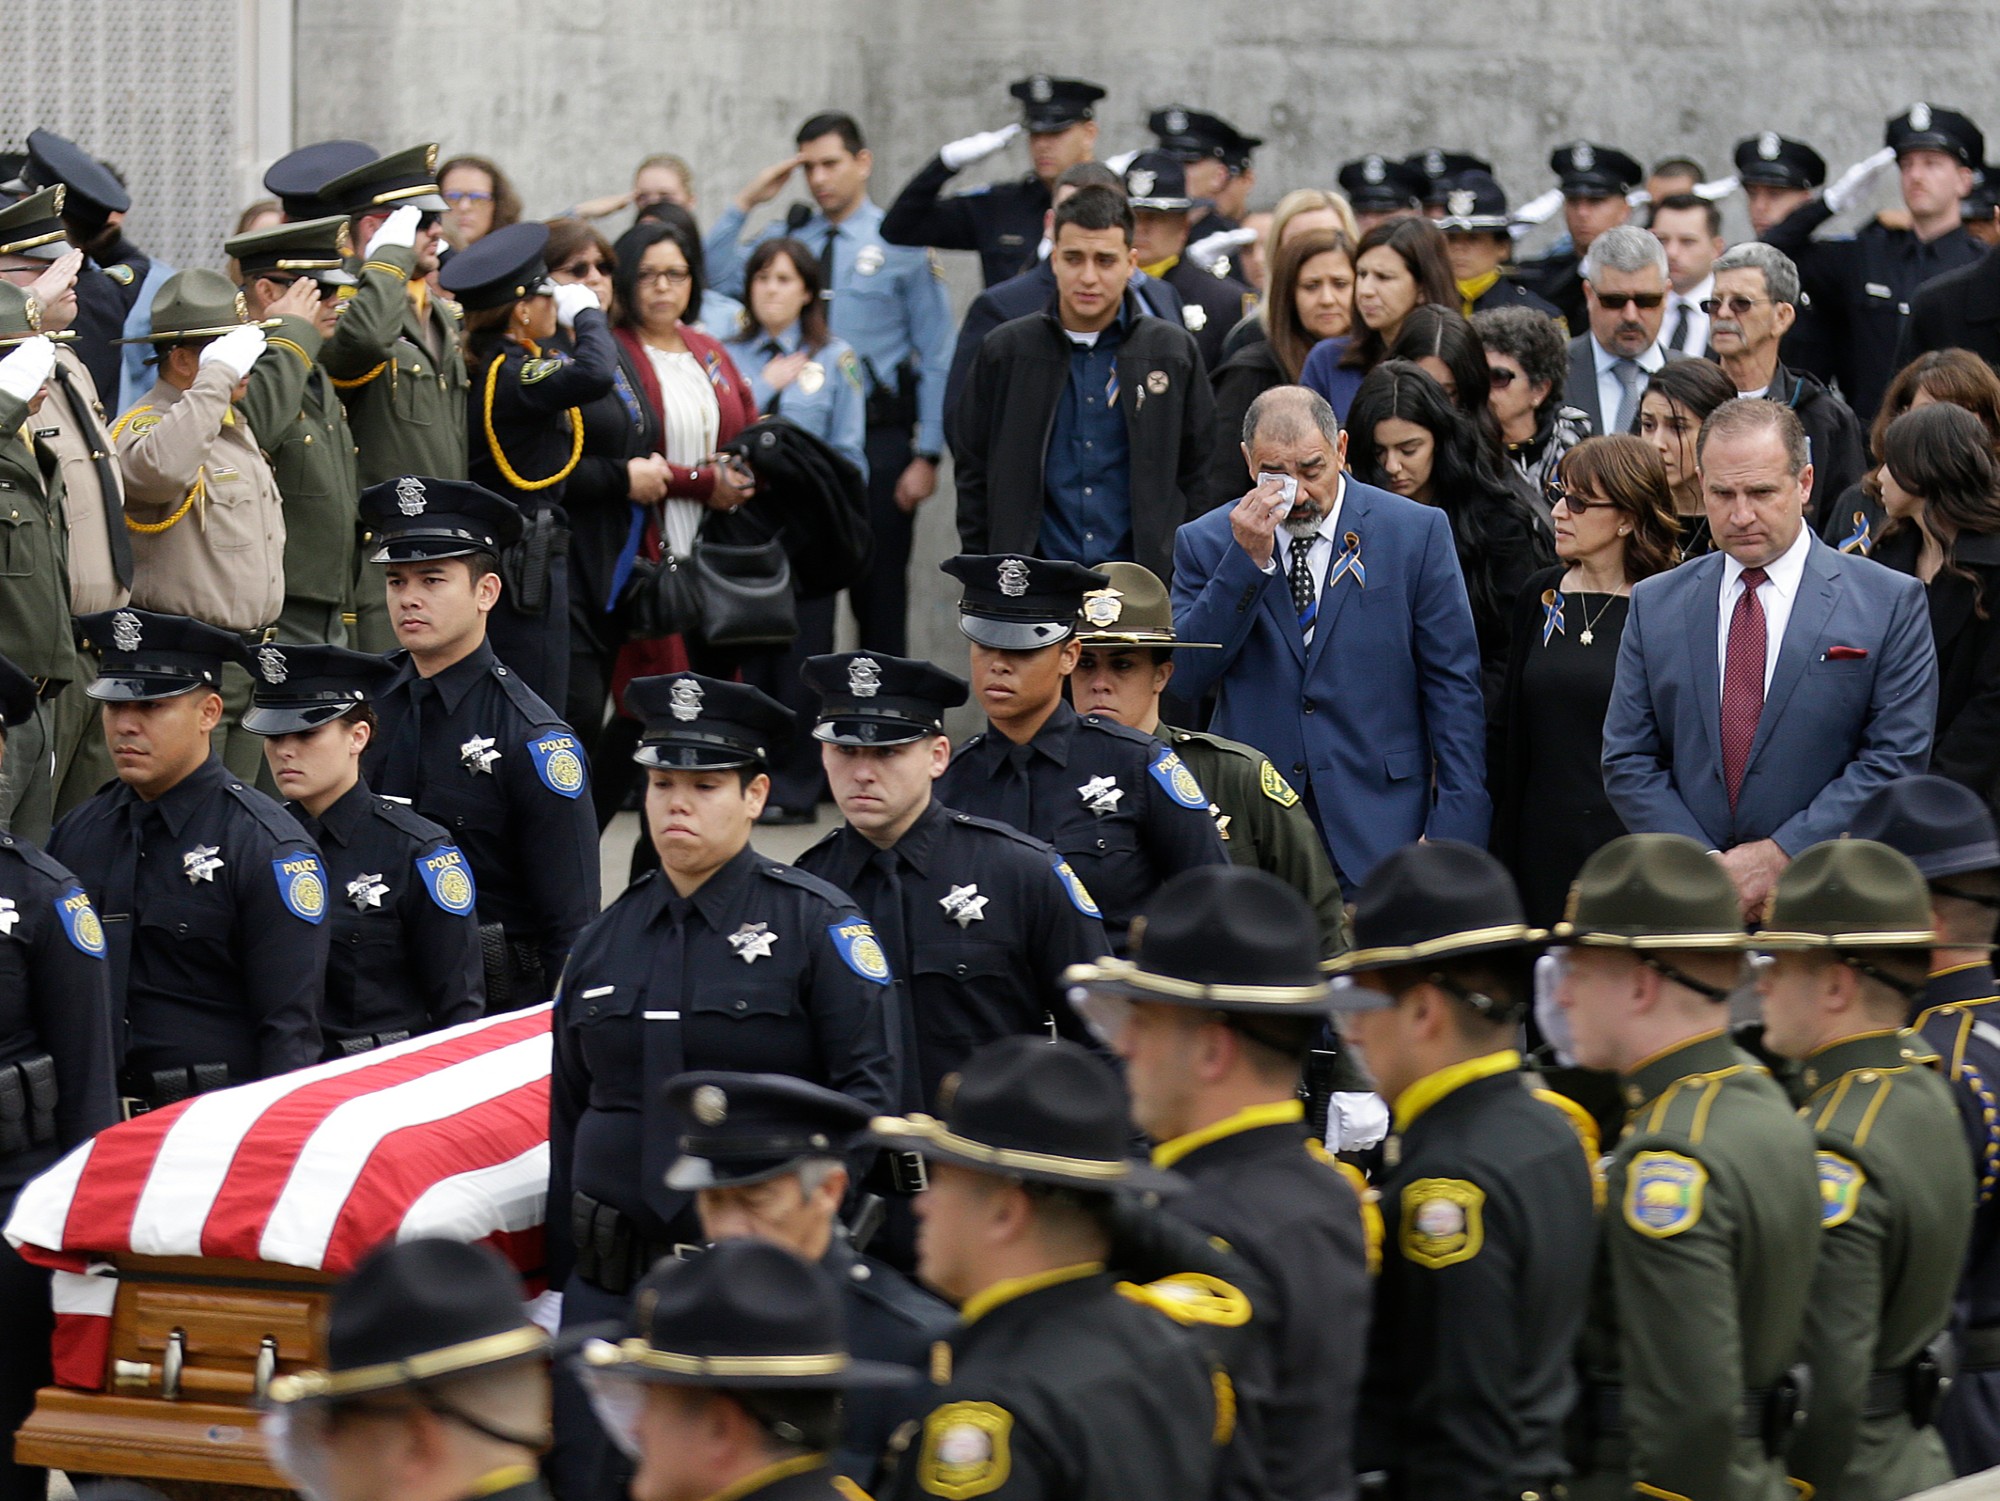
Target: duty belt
x,y
367,1042
27,1104
612,1252
154,1090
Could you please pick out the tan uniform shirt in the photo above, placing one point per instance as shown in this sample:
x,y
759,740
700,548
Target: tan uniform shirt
x,y
223,560
76,440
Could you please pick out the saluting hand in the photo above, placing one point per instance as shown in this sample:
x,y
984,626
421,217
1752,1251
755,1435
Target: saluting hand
x,y
300,299
764,186
1254,522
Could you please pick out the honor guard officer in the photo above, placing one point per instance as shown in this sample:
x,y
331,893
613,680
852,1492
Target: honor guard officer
x,y
1121,808
1379,189
295,178
763,1155
213,899
1000,220
34,597
434,1386
1437,167
468,744
1470,1375
978,920
1211,303
56,1075
720,960
744,1347
298,417
100,303
1213,1020
1712,1196
1593,180
1778,175
1860,286
1216,156
1947,830
405,954
1475,224
1849,932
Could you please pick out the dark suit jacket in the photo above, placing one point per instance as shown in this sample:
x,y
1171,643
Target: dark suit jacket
x,y
1958,310
1581,389
1833,728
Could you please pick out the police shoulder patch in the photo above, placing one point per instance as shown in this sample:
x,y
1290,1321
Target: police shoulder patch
x,y
1078,894
965,1450
860,950
145,422
850,369
1443,1221
80,922
448,878
1840,1185
1275,787
558,762
1171,772
1191,1298
538,370
1663,1192
301,885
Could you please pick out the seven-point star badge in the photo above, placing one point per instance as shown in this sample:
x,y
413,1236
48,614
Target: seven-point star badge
x,y
964,905
366,891
478,754
201,863
1101,794
753,941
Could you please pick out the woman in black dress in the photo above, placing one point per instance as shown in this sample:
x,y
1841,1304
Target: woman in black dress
x,y
1614,525
1677,400
1957,377
1941,490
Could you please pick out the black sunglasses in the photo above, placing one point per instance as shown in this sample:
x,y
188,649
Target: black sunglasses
x,y
1501,376
581,269
1557,493
1616,301
1737,305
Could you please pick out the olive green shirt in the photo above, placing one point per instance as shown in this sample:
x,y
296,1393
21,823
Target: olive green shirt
x,y
34,552
405,405
299,421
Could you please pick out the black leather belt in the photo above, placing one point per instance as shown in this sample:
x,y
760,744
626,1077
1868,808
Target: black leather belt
x,y
154,1090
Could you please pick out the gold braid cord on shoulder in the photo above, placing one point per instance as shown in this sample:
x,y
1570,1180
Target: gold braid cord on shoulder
x,y
507,470
197,491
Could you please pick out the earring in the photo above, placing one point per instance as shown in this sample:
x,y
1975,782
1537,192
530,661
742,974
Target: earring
x,y
1623,530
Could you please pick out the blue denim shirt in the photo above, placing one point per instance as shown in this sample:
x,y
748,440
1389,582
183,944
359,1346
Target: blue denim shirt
x,y
1087,472
826,397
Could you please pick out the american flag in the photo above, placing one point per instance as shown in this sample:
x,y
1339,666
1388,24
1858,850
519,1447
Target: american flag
x,y
446,1134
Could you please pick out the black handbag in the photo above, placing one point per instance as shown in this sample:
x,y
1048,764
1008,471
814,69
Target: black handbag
x,y
745,593
660,599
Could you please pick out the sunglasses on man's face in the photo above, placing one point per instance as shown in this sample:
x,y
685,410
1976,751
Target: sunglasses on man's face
x,y
1616,301
1737,305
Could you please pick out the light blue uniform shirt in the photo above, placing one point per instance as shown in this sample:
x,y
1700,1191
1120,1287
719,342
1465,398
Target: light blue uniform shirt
x,y
825,399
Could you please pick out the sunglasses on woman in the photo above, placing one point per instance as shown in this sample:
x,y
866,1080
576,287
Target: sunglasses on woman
x,y
1501,376
581,269
1556,493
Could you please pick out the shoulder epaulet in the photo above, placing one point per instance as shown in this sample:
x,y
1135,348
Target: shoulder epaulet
x,y
39,860
1847,1107
1219,743
893,1293
272,818
1112,727
408,820
825,841
1681,1110
805,880
530,703
1004,830
967,744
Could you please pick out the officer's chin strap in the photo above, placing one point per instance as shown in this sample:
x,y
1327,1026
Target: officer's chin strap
x,y
1490,1007
1680,976
535,1442
1909,990
1980,898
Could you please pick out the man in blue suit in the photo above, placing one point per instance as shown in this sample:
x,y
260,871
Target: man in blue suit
x,y
1348,654
1765,689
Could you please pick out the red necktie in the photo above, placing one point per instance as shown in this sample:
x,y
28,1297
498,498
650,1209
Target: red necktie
x,y
1742,682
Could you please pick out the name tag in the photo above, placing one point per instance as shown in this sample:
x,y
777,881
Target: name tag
x,y
596,991
1876,289
661,1016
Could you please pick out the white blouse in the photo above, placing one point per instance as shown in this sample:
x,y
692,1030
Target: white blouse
x,y
691,421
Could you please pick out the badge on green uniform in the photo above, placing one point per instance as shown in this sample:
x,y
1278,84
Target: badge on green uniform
x,y
1663,1193
1840,1184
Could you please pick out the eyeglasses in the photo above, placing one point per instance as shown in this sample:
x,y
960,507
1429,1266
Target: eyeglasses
x,y
1738,305
1502,377
1616,301
678,276
1559,494
464,196
581,269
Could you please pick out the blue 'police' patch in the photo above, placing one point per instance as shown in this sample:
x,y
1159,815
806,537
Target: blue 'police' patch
x,y
301,886
1171,772
559,763
448,878
858,947
80,922
1079,894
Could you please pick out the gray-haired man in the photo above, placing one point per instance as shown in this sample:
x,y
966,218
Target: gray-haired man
x,y
1625,296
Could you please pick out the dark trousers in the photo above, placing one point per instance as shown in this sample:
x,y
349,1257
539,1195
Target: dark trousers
x,y
583,1464
25,1327
881,604
797,778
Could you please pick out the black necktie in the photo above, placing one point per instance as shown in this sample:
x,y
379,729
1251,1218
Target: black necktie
x,y
772,349
121,923
826,256
885,911
106,463
402,772
663,1054
1304,596
1015,804
1680,339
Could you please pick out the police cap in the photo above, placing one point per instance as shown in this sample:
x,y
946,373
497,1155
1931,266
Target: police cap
x,y
297,688
1587,170
1944,827
1196,135
1156,182
693,723
148,656
1924,127
1437,167
1052,104
1438,899
1473,204
416,517
18,695
196,304
21,317
1774,161
1376,184
94,194
32,225
1013,603
1132,609
315,248
870,698
388,182
499,268
1849,894
295,179
738,1129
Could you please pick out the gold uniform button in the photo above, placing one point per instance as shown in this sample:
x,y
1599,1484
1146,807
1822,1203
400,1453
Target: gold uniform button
x,y
309,438
1868,1076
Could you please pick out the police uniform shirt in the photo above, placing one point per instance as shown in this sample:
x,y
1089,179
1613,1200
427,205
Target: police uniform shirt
x,y
214,905
1211,305
827,397
474,750
1123,811
405,954
776,974
1489,1236
523,414
1000,220
985,928
73,424
889,1318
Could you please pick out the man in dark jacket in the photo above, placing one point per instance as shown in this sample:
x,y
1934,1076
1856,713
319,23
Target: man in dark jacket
x,y
1959,310
1084,428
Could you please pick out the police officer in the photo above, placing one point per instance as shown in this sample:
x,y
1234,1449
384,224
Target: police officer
x,y
1778,175
34,596
56,1075
295,178
1947,831
1861,286
405,954
1849,927
763,1156
1481,1298
723,959
467,744
1211,302
1054,1385
749,1338
434,1384
1712,1197
888,301
394,355
99,315
1593,180
207,523
213,898
1122,809
1000,220
1216,156
1379,189
1213,1020
1475,223
303,428
1438,168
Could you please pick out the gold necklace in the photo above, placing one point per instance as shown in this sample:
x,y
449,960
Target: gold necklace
x,y
1585,636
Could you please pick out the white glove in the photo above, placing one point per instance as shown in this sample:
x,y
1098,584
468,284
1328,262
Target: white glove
x,y
974,148
236,351
1846,192
1540,210
1639,197
1207,251
397,232
1549,1014
27,367
573,298
545,1312
1721,188
1121,161
1355,1120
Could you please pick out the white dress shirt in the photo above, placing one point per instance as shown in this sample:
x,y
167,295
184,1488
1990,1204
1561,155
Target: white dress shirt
x,y
1697,339
1780,591
1610,389
1319,547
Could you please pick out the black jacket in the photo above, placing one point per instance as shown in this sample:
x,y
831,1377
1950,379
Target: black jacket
x,y
1239,380
1966,747
1835,433
617,427
1000,431
1959,310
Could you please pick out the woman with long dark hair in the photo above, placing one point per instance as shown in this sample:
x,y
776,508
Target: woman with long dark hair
x,y
1406,436
1677,400
1398,267
1941,489
1955,376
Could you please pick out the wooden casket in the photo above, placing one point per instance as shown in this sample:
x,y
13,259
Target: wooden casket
x,y
194,1248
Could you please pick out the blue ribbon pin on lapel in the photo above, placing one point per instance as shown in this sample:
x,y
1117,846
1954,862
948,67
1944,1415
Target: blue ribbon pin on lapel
x,y
1552,614
1349,562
